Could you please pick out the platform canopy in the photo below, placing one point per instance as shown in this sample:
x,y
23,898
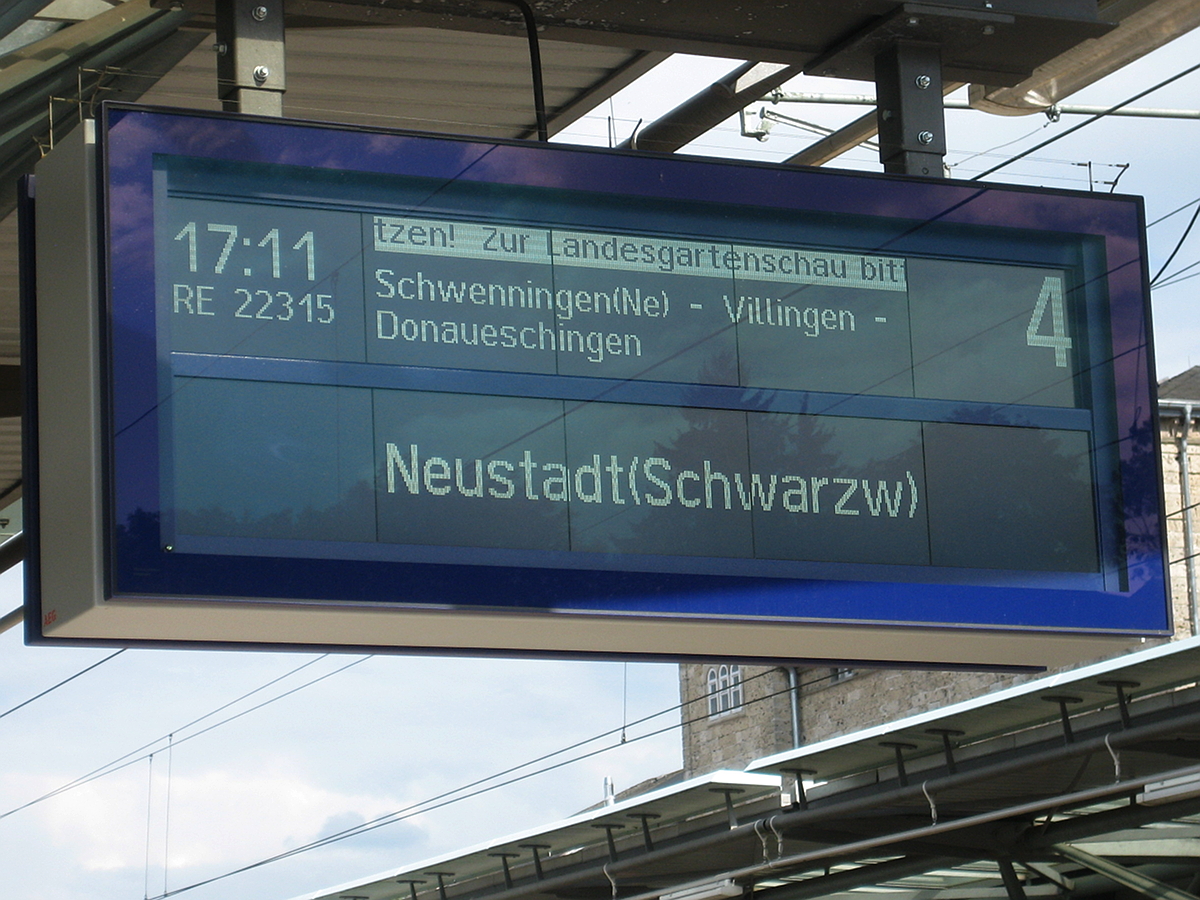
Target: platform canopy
x,y
1081,784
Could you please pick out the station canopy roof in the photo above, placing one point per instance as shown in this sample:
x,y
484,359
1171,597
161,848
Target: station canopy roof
x,y
1081,784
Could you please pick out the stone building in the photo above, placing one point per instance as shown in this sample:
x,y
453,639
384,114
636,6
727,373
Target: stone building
x,y
1179,415
735,713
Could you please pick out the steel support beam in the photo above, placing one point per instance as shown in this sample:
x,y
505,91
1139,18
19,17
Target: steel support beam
x,y
856,877
1012,882
912,127
91,54
250,56
1143,884
848,137
711,107
17,13
12,618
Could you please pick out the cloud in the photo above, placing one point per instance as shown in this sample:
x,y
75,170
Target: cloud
x,y
120,822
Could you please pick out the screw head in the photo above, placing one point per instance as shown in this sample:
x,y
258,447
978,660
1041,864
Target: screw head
x,y
261,74
259,13
922,82
925,137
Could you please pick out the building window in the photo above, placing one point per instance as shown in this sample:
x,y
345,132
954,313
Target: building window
x,y
837,676
724,690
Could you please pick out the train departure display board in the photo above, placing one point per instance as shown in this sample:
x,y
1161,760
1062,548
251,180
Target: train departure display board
x,y
625,400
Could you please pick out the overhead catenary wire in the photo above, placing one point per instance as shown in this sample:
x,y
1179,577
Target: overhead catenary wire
x,y
1178,277
1174,276
700,144
66,680
477,787
1088,121
1178,247
149,798
132,756
992,150
1173,212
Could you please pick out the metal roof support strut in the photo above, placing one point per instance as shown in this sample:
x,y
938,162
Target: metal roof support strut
x,y
710,107
441,880
537,860
609,828
250,56
947,747
504,858
912,129
1143,884
1062,700
729,810
899,747
1012,883
1122,685
645,818
799,796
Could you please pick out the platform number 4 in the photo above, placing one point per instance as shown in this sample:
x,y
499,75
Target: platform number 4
x,y
1052,296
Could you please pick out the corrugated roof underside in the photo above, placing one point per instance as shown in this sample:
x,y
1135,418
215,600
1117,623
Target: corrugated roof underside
x,y
414,78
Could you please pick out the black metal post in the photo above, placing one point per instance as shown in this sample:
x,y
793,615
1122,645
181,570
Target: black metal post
x,y
250,56
900,747
912,127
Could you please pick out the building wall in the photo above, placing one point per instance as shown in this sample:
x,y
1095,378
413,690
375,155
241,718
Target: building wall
x,y
871,696
834,705
760,727
1173,497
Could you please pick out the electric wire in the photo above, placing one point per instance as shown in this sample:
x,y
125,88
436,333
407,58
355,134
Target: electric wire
x,y
992,150
1088,121
1173,212
1174,279
67,680
1184,558
132,756
1178,246
448,797
788,138
149,799
167,811
476,788
1181,511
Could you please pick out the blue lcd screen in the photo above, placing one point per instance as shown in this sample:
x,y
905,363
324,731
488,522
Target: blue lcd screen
x,y
356,367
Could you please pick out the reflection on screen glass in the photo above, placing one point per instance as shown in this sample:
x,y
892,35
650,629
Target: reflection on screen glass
x,y
361,281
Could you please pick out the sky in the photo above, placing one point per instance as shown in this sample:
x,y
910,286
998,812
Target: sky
x,y
188,765
337,740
